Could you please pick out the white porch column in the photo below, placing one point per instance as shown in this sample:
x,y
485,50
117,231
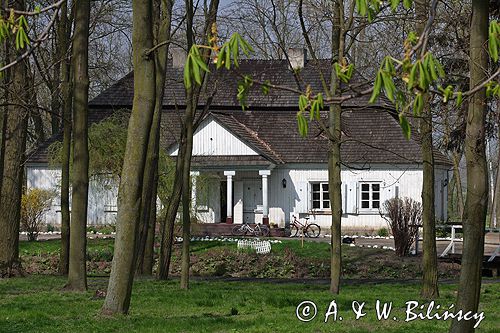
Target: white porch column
x,y
265,205
194,176
229,199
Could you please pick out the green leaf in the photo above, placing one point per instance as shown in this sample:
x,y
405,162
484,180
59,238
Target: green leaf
x,y
422,74
303,102
187,73
394,4
413,76
459,99
266,87
407,3
493,40
389,87
319,98
447,93
405,126
227,60
376,87
418,104
362,7
302,124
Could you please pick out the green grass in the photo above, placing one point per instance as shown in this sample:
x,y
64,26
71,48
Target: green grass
x,y
36,304
54,246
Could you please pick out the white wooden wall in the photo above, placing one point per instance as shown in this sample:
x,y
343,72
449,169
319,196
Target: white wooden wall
x,y
295,198
102,198
212,139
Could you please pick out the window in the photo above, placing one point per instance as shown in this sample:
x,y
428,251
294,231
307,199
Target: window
x,y
320,196
370,195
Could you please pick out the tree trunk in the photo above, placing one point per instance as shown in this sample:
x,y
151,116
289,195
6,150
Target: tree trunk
x,y
167,226
334,169
63,39
149,191
186,196
429,260
451,197
192,97
77,273
148,261
14,145
477,176
495,211
55,102
129,194
186,174
456,157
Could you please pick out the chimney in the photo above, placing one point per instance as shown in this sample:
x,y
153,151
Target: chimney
x,y
297,57
179,56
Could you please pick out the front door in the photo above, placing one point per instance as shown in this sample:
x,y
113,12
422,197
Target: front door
x,y
252,197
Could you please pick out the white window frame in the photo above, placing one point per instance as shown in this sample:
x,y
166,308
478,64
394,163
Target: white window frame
x,y
321,199
370,209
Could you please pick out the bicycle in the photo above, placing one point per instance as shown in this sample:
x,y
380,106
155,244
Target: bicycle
x,y
243,229
311,230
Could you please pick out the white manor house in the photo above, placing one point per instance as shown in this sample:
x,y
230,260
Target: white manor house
x,y
255,165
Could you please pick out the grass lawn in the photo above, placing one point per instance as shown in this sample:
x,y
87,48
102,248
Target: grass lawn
x,y
36,304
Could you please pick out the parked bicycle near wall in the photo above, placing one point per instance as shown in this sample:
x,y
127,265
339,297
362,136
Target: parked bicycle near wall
x,y
311,230
259,230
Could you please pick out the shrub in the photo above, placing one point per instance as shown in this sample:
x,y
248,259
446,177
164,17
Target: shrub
x,y
403,216
34,203
383,232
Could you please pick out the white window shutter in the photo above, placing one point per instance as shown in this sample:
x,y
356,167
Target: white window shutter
x,y
344,198
351,196
303,197
308,202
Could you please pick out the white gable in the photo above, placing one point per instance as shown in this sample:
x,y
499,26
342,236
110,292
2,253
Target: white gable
x,y
212,139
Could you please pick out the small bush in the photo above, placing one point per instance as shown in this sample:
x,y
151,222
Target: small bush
x,y
403,216
383,232
34,203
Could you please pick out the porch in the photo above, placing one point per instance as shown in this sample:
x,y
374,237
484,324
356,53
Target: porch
x,y
232,190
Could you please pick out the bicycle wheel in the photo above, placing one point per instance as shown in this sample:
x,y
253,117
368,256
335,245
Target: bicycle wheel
x,y
238,230
294,230
264,230
313,230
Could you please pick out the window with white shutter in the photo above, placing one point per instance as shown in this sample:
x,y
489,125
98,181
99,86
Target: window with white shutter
x,y
369,196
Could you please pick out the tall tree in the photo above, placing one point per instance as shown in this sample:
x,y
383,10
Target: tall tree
x,y
188,124
476,201
150,185
192,98
63,56
183,162
77,272
334,125
429,261
13,147
167,224
130,190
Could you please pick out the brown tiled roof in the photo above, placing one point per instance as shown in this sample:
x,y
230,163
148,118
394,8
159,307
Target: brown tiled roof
x,y
371,134
226,84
